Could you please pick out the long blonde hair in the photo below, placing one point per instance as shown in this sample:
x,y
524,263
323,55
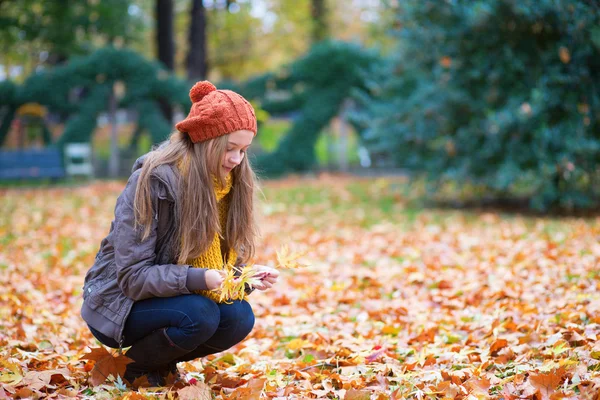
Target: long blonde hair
x,y
196,211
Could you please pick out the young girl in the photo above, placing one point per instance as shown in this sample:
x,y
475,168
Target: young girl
x,y
186,212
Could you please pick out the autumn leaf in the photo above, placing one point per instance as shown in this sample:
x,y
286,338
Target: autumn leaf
x,y
134,396
10,373
199,391
287,259
546,384
252,391
141,382
498,345
36,380
354,394
595,352
106,364
234,286
478,386
401,303
24,393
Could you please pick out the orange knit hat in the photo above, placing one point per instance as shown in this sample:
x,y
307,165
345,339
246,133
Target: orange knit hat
x,y
216,113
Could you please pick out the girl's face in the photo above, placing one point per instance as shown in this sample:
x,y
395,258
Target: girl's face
x,y
237,144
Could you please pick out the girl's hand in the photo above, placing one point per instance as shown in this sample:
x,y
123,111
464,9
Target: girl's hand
x,y
214,279
267,275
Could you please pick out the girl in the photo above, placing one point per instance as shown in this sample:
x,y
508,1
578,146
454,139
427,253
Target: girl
x,y
187,211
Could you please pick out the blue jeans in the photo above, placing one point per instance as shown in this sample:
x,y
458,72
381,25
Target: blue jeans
x,y
194,322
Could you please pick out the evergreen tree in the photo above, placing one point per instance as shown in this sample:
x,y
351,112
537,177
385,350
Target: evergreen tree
x,y
502,94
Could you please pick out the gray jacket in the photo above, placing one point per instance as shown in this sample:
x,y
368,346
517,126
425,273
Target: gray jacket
x,y
127,269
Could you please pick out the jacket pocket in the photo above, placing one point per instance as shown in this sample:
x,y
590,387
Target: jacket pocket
x,y
94,292
92,297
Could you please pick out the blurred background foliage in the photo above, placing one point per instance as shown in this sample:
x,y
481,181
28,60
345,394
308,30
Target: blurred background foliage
x,y
496,99
498,96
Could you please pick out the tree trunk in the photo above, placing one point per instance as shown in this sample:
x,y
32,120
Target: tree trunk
x,y
135,138
320,28
165,44
6,122
196,61
113,161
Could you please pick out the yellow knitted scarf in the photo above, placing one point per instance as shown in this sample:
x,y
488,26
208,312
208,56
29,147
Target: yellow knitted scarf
x,y
213,258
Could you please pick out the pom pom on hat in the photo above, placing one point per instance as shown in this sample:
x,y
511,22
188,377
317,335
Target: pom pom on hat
x,y
201,89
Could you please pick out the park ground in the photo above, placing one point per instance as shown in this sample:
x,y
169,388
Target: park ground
x,y
396,300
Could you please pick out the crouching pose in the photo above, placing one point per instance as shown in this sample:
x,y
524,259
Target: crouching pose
x,y
185,214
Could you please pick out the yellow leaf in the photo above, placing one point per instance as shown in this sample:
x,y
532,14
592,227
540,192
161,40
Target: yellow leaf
x,y
285,259
297,344
390,330
11,373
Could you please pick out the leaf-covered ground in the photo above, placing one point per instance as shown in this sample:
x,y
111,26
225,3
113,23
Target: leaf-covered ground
x,y
396,302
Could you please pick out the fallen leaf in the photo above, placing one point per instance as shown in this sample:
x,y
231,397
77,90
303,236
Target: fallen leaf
x,y
252,391
24,393
498,345
106,364
199,391
546,384
10,373
36,380
354,394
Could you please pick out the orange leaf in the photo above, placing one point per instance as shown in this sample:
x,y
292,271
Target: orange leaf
x,y
251,392
134,396
96,354
479,386
545,383
354,394
106,365
199,391
498,345
38,379
23,393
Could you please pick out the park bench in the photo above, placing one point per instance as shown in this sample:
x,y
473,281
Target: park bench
x,y
31,164
46,162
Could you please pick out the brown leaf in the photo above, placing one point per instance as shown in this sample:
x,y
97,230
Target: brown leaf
x,y
66,392
251,392
38,379
478,386
24,393
140,382
199,391
106,365
354,394
546,384
96,354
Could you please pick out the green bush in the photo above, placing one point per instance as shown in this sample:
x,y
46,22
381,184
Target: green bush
x,y
499,94
313,89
